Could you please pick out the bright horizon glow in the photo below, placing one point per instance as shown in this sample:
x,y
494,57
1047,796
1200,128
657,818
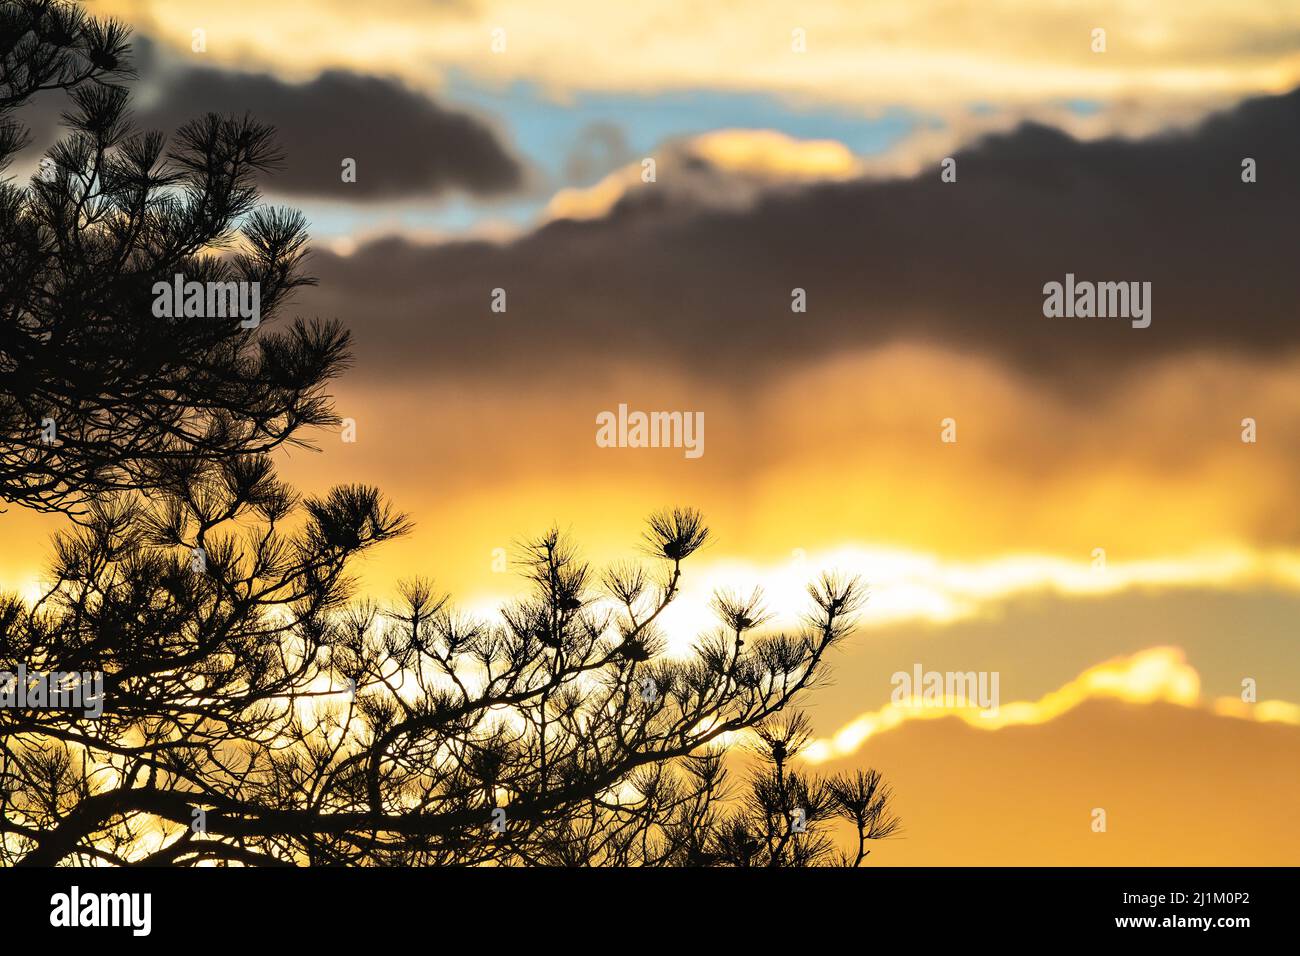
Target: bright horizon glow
x,y
1157,674
912,586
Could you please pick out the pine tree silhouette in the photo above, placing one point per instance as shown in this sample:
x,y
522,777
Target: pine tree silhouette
x,y
255,712
97,394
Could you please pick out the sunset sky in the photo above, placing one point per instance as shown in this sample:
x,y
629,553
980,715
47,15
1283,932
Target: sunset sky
x,y
1099,534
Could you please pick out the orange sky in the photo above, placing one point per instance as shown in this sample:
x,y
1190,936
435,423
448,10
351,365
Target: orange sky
x,y
981,554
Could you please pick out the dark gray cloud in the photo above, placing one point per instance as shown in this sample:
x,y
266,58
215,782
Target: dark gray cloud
x,y
961,264
405,144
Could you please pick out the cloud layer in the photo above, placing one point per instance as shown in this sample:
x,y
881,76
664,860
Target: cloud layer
x,y
672,278
404,143
1158,674
930,53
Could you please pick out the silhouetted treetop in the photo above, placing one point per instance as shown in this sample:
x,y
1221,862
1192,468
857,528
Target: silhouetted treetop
x,y
238,704
254,714
98,392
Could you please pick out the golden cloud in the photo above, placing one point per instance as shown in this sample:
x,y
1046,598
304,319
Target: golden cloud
x,y
1158,674
927,53
739,165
